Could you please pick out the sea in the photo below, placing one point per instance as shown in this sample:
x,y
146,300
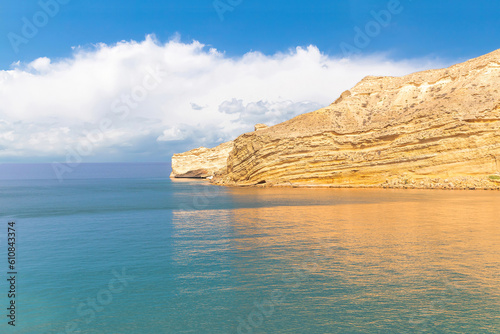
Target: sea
x,y
121,248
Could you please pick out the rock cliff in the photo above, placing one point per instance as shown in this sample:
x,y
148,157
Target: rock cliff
x,y
201,162
432,129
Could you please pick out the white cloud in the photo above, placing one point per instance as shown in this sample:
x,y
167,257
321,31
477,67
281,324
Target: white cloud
x,y
231,107
172,134
40,65
147,100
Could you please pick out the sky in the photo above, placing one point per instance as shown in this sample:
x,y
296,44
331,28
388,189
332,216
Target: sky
x,y
131,81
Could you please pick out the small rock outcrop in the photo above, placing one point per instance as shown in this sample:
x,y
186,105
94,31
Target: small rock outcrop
x,y
260,127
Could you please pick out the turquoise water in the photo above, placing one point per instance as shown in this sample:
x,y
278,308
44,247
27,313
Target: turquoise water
x,y
194,258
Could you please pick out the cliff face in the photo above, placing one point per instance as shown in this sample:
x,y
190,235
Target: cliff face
x,y
201,162
437,126
204,162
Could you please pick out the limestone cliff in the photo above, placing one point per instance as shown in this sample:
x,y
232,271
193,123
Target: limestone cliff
x,y
201,162
432,129
437,128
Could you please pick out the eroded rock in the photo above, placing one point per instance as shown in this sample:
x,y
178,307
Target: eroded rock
x,y
418,130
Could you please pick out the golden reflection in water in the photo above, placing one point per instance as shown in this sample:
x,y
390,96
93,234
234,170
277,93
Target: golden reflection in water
x,y
384,231
403,259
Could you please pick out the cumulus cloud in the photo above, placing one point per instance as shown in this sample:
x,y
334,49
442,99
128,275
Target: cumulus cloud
x,y
146,100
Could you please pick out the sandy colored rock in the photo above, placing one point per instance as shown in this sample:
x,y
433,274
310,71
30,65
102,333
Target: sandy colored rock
x,y
260,127
406,131
201,162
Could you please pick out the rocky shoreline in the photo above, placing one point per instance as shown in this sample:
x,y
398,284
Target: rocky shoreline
x,y
401,182
452,183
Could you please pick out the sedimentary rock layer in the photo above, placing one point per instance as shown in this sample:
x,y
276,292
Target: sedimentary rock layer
x,y
433,125
201,162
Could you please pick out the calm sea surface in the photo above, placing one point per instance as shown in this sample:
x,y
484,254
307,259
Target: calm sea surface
x,y
139,253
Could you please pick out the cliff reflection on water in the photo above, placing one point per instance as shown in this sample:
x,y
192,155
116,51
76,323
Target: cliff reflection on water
x,y
364,260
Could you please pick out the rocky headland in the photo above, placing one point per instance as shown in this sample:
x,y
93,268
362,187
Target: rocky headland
x,y
432,129
201,162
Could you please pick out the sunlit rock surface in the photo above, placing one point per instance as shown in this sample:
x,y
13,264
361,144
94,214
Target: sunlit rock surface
x,y
432,129
201,162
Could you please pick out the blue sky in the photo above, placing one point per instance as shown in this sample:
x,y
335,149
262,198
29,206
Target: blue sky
x,y
135,81
445,28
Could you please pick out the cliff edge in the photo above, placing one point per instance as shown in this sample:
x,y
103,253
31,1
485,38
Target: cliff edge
x,y
201,162
437,128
